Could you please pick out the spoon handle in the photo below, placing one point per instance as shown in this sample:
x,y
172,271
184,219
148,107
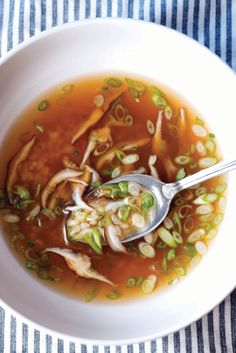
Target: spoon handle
x,y
205,174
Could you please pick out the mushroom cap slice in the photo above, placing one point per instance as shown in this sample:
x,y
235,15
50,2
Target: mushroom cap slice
x,y
80,264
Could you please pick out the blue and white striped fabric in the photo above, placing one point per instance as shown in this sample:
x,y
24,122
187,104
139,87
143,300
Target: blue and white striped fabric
x,y
212,23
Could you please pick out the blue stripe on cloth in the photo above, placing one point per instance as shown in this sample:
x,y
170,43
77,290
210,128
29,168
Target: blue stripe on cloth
x,y
211,332
109,8
200,342
130,348
98,9
233,319
72,347
48,344
152,11
141,348
222,327
185,17
165,344
54,13
21,21
141,9
130,8
25,332
106,349
154,346
43,15
188,339
118,349
195,19
10,24
65,11
229,32
32,17
83,348
163,12
95,349
120,7
177,342
207,23
217,28
2,325
87,9
60,346
36,341
174,14
13,335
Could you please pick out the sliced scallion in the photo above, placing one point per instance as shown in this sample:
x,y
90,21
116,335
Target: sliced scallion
x,y
22,191
218,219
91,293
196,235
219,189
201,247
177,237
201,190
164,264
147,200
205,209
123,185
180,270
210,146
48,213
67,88
129,120
206,198
139,281
181,174
113,82
170,255
131,282
199,130
177,221
150,127
146,249
113,295
43,105
11,218
168,112
166,237
207,162
183,160
116,172
148,284
159,101
33,213
130,159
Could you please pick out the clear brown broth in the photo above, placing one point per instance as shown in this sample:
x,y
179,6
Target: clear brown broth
x,y
60,121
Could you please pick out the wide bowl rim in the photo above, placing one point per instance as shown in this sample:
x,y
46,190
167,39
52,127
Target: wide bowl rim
x,y
122,21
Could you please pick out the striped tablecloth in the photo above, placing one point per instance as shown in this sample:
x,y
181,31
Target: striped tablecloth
x,y
212,23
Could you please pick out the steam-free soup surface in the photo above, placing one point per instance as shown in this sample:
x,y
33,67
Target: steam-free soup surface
x,y
84,133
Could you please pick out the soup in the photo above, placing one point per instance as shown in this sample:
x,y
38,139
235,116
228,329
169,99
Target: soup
x,y
75,138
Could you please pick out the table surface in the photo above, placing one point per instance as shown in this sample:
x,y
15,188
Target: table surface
x,y
213,24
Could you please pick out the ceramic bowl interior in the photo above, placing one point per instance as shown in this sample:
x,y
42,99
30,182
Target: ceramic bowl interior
x,y
156,53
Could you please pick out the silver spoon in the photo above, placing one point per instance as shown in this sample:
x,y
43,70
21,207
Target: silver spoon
x,y
164,193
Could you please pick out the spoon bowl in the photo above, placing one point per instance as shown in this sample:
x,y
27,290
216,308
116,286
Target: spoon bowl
x,y
164,192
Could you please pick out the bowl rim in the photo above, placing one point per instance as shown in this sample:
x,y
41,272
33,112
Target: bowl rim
x,y
108,21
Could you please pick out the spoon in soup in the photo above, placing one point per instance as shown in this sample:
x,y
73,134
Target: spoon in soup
x,y
165,192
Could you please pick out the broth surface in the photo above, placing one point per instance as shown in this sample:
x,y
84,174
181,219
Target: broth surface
x,y
176,135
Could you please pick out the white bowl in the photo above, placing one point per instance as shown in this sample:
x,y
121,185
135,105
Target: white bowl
x,y
157,53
